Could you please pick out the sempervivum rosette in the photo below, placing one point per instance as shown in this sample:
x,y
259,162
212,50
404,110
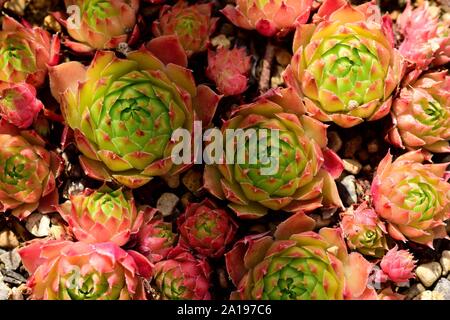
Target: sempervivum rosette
x,y
398,265
300,175
298,264
99,24
27,172
345,65
64,270
104,215
182,276
421,114
414,198
18,103
191,24
155,238
364,231
229,70
426,38
26,52
269,17
206,228
124,112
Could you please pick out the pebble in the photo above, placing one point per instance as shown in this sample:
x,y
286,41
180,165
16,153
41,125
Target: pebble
x,y
51,23
11,260
349,183
173,181
443,287
193,180
17,6
446,5
16,294
167,203
352,146
429,295
277,79
8,240
414,291
73,187
38,225
445,262
283,57
13,277
428,273
4,291
352,166
334,141
221,41
373,147
57,232
186,199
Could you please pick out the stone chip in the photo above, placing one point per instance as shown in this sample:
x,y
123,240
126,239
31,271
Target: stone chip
x,y
428,273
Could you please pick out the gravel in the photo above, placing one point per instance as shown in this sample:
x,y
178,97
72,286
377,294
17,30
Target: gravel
x,y
38,225
167,203
428,273
11,260
445,262
443,288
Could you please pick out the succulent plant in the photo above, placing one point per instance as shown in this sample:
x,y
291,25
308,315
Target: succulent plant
x,y
182,277
18,103
364,231
298,264
27,172
269,17
412,197
64,270
156,238
26,52
398,265
103,215
229,69
124,111
98,24
206,228
426,38
345,65
192,24
303,173
421,114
